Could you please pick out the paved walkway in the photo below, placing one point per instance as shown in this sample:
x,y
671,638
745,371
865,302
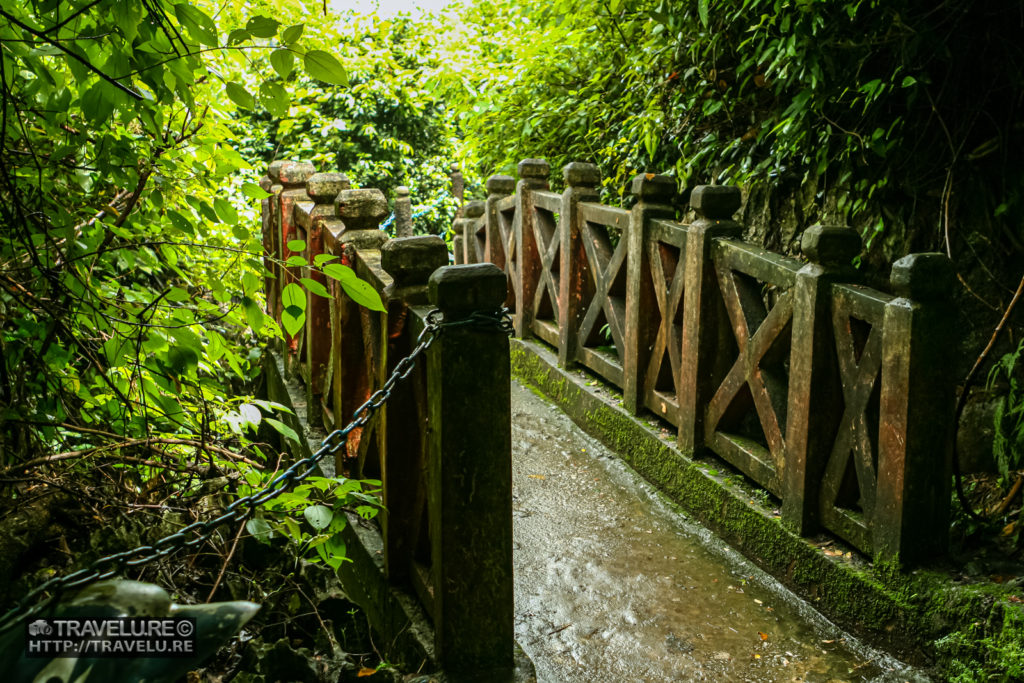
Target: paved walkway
x,y
612,585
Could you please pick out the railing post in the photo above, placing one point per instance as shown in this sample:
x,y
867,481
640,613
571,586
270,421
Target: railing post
x,y
403,212
470,476
702,308
293,176
409,261
911,520
272,238
654,195
354,329
322,188
581,183
815,395
498,187
533,175
458,188
465,233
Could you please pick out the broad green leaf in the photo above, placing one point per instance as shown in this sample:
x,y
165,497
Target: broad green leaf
x,y
296,261
296,245
177,294
240,96
292,295
321,259
238,35
97,103
340,272
363,294
253,314
283,61
274,98
254,191
323,66
260,529
702,11
318,516
315,287
283,429
291,34
225,212
262,27
201,27
292,319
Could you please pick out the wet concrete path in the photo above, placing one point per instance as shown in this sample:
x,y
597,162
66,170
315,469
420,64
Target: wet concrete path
x,y
612,585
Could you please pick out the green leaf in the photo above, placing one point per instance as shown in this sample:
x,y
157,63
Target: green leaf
x,y
254,191
340,272
363,294
296,245
323,66
97,104
321,259
315,287
240,96
253,314
260,529
238,35
909,81
292,295
282,429
262,27
291,34
225,212
200,26
702,11
283,61
318,516
296,261
274,97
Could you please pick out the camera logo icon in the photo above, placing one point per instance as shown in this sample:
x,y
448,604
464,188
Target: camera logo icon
x,y
40,627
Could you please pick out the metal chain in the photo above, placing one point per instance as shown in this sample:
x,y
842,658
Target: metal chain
x,y
197,532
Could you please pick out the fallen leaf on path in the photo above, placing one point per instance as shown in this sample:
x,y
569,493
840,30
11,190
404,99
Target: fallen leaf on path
x,y
537,476
764,636
365,671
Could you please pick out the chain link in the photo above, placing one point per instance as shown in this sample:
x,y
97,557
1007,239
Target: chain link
x,y
198,532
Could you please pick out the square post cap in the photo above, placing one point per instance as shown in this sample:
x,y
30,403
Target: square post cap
x,y
715,202
324,187
830,245
467,288
411,260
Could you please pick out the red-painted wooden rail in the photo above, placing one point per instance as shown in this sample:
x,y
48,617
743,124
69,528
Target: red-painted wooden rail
x,y
834,397
442,443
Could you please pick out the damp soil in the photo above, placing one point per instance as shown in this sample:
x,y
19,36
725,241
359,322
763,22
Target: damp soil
x,y
615,584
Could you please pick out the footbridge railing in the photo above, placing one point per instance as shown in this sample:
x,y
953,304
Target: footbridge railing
x,y
834,397
440,441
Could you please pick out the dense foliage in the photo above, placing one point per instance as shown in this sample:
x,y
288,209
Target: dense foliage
x,y
902,119
895,112
131,312
383,129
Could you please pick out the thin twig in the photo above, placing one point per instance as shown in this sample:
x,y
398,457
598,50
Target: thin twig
x,y
227,561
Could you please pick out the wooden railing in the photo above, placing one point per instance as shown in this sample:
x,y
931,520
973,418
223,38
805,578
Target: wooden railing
x,y
834,397
441,444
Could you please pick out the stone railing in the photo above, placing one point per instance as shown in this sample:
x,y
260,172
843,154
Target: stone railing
x,y
834,397
441,442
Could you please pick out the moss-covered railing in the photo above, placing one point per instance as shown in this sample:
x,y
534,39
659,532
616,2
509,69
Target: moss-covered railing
x,y
441,441
834,397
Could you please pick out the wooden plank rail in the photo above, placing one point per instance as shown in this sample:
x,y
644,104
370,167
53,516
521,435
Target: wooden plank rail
x,y
832,396
441,444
